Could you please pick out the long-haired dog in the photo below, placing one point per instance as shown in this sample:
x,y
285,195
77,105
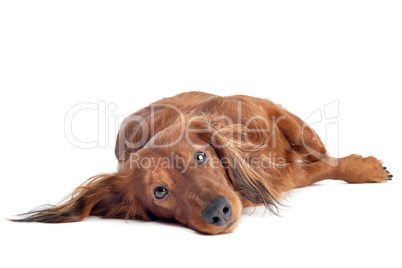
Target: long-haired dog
x,y
198,159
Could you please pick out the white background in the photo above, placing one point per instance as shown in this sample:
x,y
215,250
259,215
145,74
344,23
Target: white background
x,y
302,54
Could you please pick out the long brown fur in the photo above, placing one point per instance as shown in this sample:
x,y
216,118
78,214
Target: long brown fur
x,y
255,151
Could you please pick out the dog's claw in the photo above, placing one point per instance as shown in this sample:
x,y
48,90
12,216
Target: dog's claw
x,y
384,168
390,177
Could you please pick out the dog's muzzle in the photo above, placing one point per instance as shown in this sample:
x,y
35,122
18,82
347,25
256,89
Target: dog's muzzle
x,y
218,212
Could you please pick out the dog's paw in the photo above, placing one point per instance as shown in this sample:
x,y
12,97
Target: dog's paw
x,y
366,169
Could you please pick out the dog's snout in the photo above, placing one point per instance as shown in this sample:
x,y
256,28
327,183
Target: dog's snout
x,y
218,212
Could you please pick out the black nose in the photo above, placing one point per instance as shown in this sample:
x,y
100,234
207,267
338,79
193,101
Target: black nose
x,y
218,212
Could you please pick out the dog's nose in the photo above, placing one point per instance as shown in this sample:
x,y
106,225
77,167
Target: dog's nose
x,y
218,212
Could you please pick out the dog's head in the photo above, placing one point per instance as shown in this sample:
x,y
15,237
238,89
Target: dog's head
x,y
196,177
187,185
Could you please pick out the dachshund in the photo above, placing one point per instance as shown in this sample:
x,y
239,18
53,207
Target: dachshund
x,y
198,159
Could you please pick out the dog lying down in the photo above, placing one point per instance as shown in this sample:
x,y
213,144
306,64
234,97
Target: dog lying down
x,y
198,159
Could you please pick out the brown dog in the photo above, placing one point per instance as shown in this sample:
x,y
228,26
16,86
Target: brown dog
x,y
198,159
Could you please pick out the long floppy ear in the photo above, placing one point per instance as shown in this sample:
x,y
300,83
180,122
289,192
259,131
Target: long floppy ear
x,y
104,195
241,154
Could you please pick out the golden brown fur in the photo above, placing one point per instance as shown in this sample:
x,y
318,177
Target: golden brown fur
x,y
252,151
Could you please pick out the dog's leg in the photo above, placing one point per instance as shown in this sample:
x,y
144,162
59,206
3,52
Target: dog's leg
x,y
352,169
303,139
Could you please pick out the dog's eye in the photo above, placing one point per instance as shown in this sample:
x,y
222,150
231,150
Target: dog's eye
x,y
160,192
200,157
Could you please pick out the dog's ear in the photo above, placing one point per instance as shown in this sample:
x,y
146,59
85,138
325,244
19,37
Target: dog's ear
x,y
104,195
240,151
